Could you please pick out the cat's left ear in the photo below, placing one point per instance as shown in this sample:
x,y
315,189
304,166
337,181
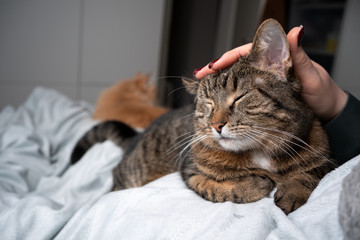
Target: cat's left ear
x,y
142,80
191,85
270,50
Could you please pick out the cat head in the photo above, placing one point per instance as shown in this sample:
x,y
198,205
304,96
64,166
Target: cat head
x,y
255,103
138,88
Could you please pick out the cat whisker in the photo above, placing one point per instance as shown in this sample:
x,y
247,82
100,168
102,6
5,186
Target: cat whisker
x,y
289,135
267,136
179,144
176,89
268,150
287,149
190,143
206,141
177,77
186,116
251,136
194,140
180,78
305,146
300,143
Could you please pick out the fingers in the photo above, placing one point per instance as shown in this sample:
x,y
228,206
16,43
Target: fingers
x,y
302,63
230,57
319,90
227,59
303,66
202,72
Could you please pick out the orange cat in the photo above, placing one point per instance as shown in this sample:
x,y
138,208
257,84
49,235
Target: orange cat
x,y
131,101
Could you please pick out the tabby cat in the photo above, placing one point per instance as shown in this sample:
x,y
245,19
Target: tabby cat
x,y
249,131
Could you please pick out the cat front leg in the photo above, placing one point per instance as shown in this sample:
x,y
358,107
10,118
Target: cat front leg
x,y
240,190
293,193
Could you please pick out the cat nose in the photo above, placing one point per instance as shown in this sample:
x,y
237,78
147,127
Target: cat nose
x,y
218,126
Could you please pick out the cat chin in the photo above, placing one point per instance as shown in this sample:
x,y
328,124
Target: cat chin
x,y
235,145
232,143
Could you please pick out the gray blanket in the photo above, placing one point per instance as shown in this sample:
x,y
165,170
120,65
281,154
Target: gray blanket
x,y
349,205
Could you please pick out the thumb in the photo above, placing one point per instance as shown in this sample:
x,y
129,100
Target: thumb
x,y
303,66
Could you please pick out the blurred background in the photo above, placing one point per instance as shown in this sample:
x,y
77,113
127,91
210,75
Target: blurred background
x,y
80,47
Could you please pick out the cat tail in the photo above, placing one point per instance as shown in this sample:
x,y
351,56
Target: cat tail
x,y
115,131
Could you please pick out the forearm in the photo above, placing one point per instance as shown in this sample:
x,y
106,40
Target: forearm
x,y
344,132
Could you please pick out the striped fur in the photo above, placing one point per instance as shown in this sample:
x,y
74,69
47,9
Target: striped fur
x,y
250,132
115,131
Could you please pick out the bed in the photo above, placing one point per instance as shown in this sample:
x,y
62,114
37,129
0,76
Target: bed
x,y
43,197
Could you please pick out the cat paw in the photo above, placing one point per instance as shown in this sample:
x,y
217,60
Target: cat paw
x,y
243,190
290,197
247,189
257,187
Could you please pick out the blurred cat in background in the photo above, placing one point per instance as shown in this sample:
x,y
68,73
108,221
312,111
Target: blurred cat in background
x,y
131,101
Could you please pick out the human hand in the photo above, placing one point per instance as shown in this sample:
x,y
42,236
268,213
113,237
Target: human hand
x,y
319,91
227,59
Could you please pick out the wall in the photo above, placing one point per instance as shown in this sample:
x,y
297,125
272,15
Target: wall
x,y
78,47
346,67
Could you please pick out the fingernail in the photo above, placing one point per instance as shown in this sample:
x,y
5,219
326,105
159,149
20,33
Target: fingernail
x,y
196,71
211,64
300,35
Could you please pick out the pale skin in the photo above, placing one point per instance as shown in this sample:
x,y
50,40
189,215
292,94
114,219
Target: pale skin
x,y
319,91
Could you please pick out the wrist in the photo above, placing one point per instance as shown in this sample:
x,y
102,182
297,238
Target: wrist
x,y
339,100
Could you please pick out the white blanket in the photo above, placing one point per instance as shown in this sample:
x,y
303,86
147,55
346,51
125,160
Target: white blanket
x,y
42,197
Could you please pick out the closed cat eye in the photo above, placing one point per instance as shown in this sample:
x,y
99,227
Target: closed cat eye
x,y
210,104
236,100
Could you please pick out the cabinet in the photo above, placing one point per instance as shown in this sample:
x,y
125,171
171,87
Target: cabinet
x,y
322,21
332,36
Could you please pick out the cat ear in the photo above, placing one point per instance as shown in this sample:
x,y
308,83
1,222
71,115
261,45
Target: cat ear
x,y
143,80
270,50
191,85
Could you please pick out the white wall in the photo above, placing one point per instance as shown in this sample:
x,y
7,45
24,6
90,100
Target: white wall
x,y
78,47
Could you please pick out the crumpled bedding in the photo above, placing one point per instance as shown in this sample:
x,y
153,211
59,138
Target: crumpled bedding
x,y
43,197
